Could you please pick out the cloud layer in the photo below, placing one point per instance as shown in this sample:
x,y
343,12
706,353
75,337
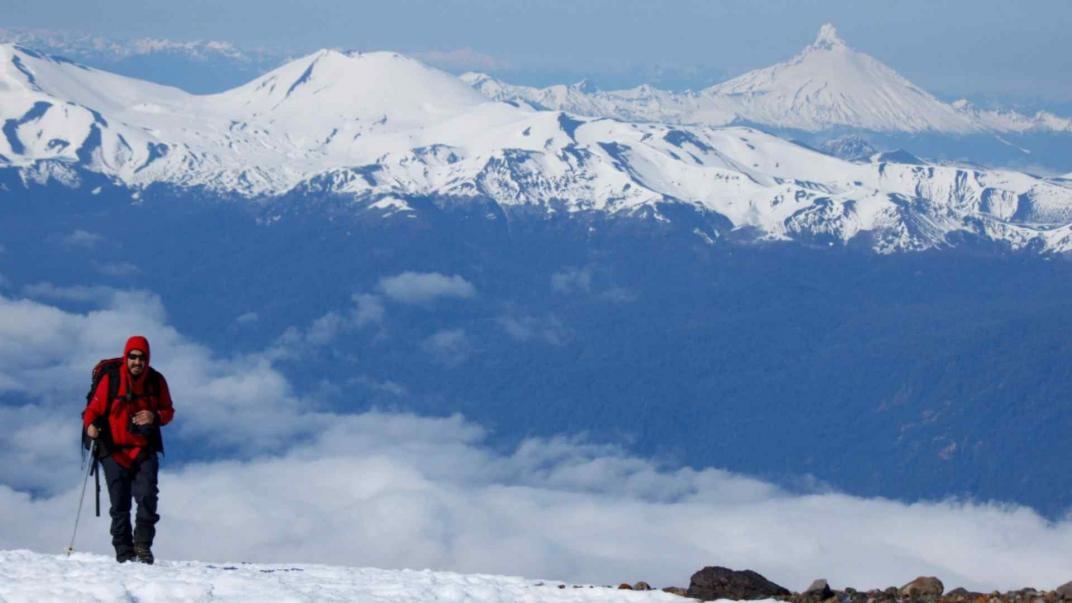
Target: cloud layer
x,y
291,483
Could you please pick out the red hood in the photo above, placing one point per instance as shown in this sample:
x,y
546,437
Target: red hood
x,y
139,343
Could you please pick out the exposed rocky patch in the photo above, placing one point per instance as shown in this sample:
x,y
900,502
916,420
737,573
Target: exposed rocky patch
x,y
713,583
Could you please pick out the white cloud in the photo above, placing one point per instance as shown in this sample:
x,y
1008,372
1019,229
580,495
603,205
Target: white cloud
x,y
580,280
82,238
387,386
618,295
81,293
117,269
572,280
247,318
527,328
325,328
368,309
396,490
449,347
425,287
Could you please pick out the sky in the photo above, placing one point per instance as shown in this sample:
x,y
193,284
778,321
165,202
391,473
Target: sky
x,y
1014,51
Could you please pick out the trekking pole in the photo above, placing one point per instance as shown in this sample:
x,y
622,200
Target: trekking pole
x,y
85,480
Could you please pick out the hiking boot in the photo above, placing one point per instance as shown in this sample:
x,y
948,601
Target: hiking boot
x,y
122,555
143,553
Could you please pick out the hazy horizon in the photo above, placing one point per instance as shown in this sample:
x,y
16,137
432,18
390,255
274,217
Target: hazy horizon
x,y
992,51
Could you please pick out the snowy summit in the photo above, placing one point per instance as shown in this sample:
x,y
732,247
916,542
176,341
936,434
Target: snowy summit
x,y
827,85
830,84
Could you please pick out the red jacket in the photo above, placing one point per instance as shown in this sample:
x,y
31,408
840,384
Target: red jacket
x,y
127,443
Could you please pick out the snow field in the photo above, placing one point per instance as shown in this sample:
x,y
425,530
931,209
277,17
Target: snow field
x,y
31,577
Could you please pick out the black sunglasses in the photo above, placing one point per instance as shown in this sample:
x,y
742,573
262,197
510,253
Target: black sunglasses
x,y
136,356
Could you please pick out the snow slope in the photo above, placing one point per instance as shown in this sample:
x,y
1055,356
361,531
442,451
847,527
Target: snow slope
x,y
827,85
35,578
382,128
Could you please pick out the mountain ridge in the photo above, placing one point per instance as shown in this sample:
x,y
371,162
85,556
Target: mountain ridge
x,y
373,126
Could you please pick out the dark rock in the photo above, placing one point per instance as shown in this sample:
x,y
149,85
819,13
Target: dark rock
x,y
624,586
924,587
961,594
712,583
819,589
847,597
642,586
676,590
1065,590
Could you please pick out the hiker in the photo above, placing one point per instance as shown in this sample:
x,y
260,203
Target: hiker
x,y
124,415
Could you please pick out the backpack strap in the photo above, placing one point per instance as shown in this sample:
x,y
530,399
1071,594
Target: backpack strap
x,y
152,385
114,375
152,382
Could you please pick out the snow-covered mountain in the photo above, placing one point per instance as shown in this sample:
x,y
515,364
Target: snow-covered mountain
x,y
1003,120
200,66
827,85
84,46
382,129
830,84
643,103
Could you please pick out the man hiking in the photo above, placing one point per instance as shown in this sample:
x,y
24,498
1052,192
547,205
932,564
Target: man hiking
x,y
124,415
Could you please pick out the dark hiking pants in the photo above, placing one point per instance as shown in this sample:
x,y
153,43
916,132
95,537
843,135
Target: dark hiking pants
x,y
137,482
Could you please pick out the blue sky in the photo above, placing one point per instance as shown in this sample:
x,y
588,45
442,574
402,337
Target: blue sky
x,y
988,48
